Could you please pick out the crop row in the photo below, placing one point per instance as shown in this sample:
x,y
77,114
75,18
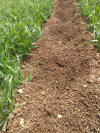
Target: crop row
x,y
20,27
91,9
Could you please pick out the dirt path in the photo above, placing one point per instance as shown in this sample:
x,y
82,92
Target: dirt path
x,y
63,95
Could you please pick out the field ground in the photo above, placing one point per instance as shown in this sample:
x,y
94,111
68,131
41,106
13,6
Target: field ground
x,y
63,92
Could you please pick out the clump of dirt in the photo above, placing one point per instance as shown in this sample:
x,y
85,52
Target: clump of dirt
x,y
63,93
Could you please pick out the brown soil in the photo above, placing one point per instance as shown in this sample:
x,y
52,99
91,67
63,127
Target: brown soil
x,y
63,95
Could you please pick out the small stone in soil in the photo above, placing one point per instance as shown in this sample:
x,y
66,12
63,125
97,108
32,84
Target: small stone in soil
x,y
22,122
43,93
20,91
98,79
59,116
85,86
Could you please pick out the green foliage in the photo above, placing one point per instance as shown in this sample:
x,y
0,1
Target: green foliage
x,y
20,27
91,9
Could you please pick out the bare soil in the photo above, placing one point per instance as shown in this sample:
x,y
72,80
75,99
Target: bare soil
x,y
63,94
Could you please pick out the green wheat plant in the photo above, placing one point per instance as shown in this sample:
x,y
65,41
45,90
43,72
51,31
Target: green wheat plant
x,y
20,27
91,9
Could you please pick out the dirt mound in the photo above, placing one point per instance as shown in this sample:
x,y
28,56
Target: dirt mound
x,y
63,94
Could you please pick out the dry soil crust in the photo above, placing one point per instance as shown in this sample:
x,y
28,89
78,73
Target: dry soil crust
x,y
63,95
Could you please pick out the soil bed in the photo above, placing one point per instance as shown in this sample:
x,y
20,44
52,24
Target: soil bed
x,y
63,94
